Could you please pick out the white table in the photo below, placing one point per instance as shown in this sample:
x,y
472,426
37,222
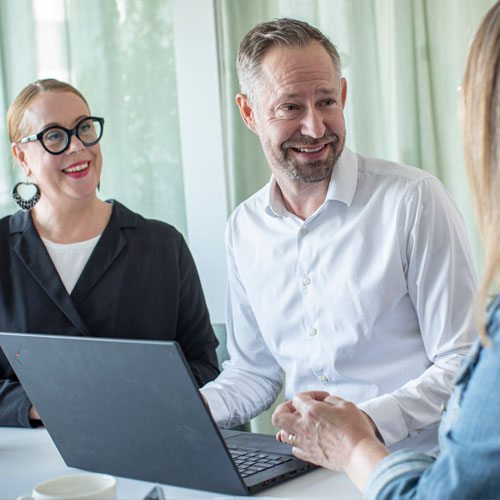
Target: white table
x,y
28,457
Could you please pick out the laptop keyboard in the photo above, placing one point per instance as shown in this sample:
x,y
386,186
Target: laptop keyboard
x,y
250,462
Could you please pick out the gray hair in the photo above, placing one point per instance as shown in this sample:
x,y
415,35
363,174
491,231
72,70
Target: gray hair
x,y
285,32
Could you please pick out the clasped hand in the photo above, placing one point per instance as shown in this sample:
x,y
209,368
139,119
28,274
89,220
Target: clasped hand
x,y
323,429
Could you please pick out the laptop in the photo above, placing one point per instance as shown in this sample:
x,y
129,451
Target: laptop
x,y
132,408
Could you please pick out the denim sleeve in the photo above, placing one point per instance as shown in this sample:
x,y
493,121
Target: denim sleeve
x,y
469,463
397,475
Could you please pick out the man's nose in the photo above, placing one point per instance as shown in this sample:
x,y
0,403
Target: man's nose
x,y
312,124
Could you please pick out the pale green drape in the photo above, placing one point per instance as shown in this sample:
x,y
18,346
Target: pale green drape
x,y
17,67
403,61
120,55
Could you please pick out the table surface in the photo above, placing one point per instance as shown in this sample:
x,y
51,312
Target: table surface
x,y
28,457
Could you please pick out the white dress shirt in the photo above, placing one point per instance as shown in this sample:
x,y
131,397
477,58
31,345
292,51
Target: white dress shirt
x,y
368,299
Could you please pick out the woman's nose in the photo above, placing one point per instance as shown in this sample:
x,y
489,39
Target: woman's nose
x,y
75,144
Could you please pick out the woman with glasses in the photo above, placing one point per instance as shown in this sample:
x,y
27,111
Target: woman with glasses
x,y
72,264
331,432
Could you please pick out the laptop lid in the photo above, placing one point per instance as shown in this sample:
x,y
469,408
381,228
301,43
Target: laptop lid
x,y
129,408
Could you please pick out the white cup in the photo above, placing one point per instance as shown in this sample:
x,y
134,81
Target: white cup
x,y
78,487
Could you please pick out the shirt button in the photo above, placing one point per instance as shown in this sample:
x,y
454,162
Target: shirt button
x,y
323,378
307,280
304,231
312,331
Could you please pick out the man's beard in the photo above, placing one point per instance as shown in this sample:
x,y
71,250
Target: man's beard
x,y
303,170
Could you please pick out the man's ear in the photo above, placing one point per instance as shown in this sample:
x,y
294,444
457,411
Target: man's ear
x,y
343,86
20,156
246,111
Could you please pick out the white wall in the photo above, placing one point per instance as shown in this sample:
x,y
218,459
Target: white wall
x,y
202,146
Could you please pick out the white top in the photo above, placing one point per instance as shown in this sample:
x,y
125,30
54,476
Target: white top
x,y
367,299
69,259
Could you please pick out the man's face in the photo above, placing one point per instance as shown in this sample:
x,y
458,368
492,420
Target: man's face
x,y
299,114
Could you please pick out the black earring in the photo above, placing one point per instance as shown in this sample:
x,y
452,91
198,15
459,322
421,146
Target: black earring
x,y
30,202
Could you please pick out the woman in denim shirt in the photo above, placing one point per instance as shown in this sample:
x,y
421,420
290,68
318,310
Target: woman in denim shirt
x,y
335,434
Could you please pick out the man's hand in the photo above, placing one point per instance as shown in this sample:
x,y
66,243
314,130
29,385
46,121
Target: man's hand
x,y
205,400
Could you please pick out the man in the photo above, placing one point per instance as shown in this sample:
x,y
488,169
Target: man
x,y
351,274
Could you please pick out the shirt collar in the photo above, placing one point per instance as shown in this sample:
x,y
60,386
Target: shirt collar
x,y
341,187
275,206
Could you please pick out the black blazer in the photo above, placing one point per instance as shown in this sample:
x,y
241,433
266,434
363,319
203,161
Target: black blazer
x,y
140,282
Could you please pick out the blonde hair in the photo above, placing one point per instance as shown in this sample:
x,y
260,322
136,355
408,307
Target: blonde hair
x,y
22,102
481,138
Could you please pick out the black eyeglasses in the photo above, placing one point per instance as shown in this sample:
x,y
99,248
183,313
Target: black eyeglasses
x,y
55,139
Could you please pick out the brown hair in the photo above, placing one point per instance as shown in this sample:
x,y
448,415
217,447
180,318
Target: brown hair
x,y
481,138
279,33
22,102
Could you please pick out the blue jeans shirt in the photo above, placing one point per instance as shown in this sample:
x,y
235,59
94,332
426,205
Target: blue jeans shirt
x,y
468,465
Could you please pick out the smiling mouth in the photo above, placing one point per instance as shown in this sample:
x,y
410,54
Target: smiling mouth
x,y
310,150
76,168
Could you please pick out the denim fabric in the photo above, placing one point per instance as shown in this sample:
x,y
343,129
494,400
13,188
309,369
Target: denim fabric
x,y
468,465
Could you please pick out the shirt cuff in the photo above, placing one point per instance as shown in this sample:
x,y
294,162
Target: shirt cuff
x,y
408,463
387,415
216,404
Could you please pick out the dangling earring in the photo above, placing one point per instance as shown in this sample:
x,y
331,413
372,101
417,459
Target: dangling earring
x,y
30,202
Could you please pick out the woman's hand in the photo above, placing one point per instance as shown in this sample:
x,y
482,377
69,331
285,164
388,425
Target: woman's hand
x,y
331,432
33,414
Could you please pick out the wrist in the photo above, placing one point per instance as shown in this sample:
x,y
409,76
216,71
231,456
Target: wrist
x,y
33,414
364,457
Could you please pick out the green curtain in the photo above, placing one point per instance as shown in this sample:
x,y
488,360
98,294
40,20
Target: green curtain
x,y
403,61
120,55
18,63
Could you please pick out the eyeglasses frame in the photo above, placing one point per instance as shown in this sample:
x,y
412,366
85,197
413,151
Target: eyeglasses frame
x,y
69,134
